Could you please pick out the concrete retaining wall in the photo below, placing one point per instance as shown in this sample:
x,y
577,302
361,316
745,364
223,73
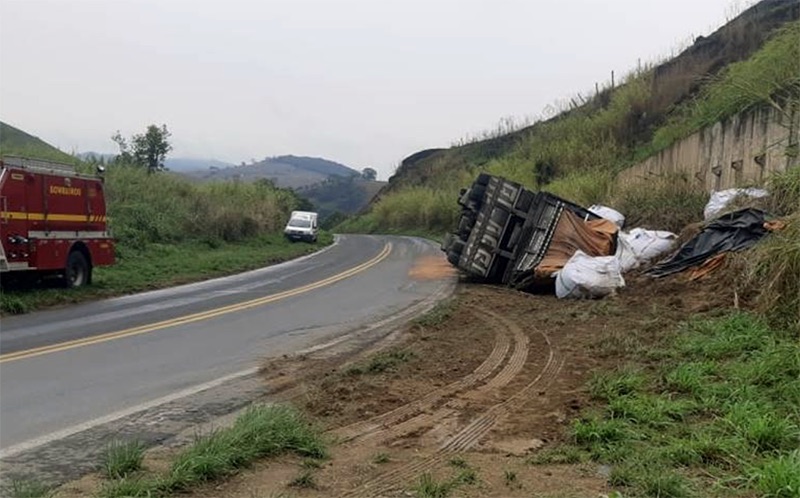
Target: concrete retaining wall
x,y
742,150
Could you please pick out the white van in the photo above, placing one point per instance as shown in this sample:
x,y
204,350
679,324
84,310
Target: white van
x,y
302,226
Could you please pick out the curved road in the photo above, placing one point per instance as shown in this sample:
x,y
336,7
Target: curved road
x,y
61,368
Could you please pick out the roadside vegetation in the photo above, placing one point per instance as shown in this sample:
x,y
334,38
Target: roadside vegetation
x,y
709,411
169,230
262,431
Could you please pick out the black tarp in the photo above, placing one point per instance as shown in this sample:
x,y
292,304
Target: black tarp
x,y
731,232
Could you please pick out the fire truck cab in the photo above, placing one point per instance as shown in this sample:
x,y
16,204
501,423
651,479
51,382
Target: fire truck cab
x,y
52,221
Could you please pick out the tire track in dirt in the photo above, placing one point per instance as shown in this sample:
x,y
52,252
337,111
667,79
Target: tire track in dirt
x,y
511,369
469,435
387,420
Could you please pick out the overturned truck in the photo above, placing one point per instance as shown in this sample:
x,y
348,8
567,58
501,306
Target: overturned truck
x,y
507,234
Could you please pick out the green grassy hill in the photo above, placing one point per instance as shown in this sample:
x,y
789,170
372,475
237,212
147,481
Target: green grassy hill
x,y
752,60
16,142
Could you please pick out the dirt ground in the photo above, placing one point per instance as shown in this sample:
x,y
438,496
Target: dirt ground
x,y
482,382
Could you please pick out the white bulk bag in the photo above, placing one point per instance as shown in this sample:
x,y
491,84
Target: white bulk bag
x,y
585,276
640,246
608,213
719,200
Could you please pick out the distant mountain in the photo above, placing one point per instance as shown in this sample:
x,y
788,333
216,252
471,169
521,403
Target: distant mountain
x,y
346,195
285,171
16,142
192,164
316,164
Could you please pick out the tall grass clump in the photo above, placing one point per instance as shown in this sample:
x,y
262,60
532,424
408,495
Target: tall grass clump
x,y
122,458
774,271
27,488
771,269
261,431
663,203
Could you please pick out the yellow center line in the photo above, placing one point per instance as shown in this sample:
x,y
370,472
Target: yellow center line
x,y
196,317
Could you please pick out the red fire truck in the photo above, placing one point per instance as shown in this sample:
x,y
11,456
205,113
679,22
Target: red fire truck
x,y
52,221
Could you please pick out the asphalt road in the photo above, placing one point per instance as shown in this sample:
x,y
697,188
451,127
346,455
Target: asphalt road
x,y
61,368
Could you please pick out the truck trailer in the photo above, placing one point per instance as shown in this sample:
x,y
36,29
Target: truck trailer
x,y
53,221
510,235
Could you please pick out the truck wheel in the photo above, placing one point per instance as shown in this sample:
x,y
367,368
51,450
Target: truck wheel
x,y
466,223
476,193
458,246
77,273
453,258
447,242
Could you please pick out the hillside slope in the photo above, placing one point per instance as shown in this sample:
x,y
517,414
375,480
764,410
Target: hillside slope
x,y
343,195
752,60
285,171
14,141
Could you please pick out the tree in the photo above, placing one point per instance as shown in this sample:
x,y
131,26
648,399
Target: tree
x,y
369,174
148,150
151,148
124,156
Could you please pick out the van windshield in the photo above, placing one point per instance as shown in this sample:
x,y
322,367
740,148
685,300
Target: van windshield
x,y
300,223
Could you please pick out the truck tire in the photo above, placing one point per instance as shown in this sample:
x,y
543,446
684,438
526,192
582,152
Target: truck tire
x,y
447,242
78,272
453,258
466,223
476,193
458,246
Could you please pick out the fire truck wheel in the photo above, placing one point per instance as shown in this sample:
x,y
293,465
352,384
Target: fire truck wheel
x,y
77,273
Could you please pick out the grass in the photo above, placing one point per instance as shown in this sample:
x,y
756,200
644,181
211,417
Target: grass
x,y
261,431
122,458
716,415
429,487
304,480
438,315
778,477
773,265
381,362
27,488
165,265
643,204
381,458
510,478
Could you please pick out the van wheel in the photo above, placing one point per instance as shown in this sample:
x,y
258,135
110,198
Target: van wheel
x,y
77,273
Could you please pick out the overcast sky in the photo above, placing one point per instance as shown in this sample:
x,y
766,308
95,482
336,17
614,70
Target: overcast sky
x,y
363,82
